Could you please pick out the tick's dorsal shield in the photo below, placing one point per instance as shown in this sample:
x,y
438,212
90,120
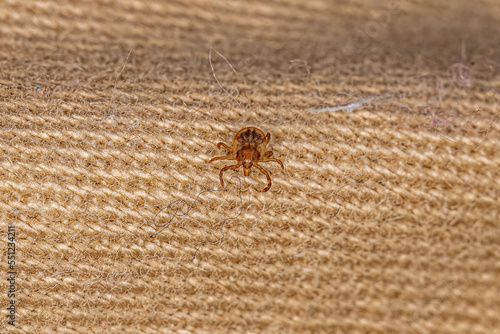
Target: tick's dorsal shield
x,y
250,136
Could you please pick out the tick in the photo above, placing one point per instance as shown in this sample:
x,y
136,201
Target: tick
x,y
249,149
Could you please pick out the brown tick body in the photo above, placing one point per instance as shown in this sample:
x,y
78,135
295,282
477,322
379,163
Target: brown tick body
x,y
249,148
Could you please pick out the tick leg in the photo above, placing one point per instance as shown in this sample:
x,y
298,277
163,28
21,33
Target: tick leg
x,y
268,137
267,155
225,146
268,178
227,157
275,160
225,169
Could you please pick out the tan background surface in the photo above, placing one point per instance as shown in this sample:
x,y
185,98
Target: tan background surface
x,y
87,160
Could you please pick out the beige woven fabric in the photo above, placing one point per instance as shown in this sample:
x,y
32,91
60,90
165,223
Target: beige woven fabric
x,y
110,111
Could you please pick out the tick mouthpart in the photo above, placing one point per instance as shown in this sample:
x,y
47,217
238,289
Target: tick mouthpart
x,y
246,171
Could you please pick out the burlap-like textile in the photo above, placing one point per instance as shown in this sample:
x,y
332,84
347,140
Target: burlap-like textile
x,y
384,220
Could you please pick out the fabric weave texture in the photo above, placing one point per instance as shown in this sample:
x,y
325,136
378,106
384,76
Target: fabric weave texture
x,y
386,218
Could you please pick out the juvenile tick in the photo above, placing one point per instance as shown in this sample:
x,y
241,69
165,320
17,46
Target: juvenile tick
x,y
249,148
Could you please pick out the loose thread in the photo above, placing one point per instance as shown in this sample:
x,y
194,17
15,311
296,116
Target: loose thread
x,y
175,210
215,77
351,106
116,80
335,197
